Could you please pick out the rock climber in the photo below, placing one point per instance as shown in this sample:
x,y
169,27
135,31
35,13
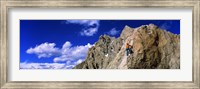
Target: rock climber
x,y
128,49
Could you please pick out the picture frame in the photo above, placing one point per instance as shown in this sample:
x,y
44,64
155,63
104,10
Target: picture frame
x,y
4,43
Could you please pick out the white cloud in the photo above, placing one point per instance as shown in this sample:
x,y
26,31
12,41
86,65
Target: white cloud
x,y
90,26
79,61
45,66
44,50
89,32
113,32
83,22
68,62
67,44
71,55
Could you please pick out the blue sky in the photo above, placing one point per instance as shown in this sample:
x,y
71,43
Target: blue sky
x,y
60,44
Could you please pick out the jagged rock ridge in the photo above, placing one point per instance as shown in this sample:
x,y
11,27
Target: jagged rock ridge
x,y
153,48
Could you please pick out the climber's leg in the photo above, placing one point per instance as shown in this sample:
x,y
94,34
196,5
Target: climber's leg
x,y
127,52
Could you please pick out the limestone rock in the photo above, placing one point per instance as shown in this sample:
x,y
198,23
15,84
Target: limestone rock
x,y
153,48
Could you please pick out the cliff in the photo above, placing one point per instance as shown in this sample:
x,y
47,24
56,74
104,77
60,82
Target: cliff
x,y
152,48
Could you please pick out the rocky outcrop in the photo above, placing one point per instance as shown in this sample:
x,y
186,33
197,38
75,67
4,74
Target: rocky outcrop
x,y
153,48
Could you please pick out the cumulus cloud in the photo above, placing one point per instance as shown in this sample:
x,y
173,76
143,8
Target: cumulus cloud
x,y
73,53
90,26
69,54
113,32
44,50
45,66
67,44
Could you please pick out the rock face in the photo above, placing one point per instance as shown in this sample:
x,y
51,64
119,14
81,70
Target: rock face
x,y
152,47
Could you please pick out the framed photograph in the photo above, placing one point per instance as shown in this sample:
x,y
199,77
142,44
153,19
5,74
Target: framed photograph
x,y
99,44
